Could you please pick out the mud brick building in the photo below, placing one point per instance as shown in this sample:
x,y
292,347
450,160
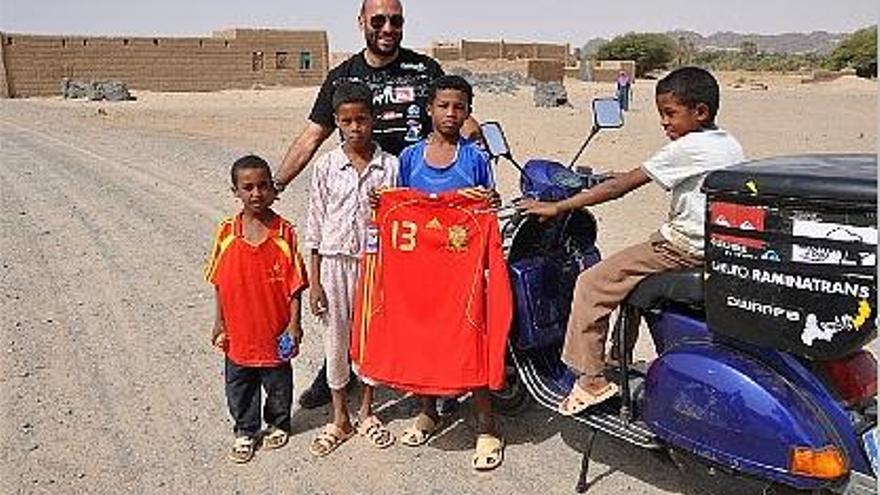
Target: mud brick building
x,y
539,61
499,50
34,65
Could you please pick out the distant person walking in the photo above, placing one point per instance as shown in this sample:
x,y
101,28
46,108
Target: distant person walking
x,y
624,86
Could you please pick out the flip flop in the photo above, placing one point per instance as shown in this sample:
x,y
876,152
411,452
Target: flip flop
x,y
242,450
376,432
579,400
422,429
330,437
274,438
488,453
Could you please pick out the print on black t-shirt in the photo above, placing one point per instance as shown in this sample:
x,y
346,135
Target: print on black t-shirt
x,y
400,95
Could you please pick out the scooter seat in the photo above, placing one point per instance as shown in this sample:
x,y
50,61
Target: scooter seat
x,y
683,288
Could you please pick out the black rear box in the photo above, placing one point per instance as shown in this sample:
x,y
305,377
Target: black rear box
x,y
791,253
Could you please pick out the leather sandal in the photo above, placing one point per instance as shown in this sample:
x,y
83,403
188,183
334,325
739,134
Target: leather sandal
x,y
579,399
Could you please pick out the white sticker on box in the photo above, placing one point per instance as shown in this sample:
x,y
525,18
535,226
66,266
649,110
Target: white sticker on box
x,y
828,256
834,231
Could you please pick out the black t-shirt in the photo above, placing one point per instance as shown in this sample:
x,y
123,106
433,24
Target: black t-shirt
x,y
400,96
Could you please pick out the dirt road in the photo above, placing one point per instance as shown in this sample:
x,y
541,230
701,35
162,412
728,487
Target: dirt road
x,y
108,383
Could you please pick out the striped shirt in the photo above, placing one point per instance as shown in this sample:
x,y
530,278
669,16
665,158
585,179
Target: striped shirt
x,y
339,204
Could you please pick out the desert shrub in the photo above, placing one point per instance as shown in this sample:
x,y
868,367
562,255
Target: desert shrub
x,y
858,51
650,51
751,61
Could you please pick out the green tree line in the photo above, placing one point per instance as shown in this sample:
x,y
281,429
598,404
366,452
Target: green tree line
x,y
653,51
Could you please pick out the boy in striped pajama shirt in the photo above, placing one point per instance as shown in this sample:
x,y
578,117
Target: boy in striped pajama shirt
x,y
336,231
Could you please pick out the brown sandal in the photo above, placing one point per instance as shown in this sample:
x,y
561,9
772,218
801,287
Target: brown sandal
x,y
376,432
579,399
330,437
274,438
242,450
422,429
488,453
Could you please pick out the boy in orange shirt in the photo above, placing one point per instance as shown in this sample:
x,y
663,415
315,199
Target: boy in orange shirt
x,y
258,276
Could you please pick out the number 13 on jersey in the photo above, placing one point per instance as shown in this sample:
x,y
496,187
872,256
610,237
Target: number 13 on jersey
x,y
403,235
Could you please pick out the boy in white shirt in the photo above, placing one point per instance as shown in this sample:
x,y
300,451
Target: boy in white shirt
x,y
687,100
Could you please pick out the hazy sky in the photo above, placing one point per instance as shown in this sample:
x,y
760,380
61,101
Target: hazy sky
x,y
572,21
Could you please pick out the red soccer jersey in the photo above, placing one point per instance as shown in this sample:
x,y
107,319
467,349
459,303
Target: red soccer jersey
x,y
256,283
434,306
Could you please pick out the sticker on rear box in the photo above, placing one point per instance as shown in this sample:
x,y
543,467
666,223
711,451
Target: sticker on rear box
x,y
817,285
737,216
819,255
834,231
826,330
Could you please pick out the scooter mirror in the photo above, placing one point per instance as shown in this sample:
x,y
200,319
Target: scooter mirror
x,y
607,114
496,143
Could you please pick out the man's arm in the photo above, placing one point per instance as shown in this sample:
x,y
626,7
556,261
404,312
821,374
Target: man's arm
x,y
301,151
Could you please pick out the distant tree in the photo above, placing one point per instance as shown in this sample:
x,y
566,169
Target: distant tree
x,y
592,47
649,50
858,51
749,48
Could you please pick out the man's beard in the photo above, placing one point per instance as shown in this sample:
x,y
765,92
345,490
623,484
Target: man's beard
x,y
372,39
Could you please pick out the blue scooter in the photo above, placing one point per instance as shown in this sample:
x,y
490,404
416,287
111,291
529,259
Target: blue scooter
x,y
731,394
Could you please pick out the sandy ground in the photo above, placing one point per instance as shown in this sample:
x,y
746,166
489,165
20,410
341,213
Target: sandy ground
x,y
107,381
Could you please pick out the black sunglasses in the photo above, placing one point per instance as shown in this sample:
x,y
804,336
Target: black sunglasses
x,y
378,21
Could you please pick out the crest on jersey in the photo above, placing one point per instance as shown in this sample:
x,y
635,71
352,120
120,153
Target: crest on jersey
x,y
457,238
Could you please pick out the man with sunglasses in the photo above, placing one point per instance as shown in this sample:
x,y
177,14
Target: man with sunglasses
x,y
399,79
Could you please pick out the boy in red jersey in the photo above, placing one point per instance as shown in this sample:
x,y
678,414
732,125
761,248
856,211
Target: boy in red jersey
x,y
258,277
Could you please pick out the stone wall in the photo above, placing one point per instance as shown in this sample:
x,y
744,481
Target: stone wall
x,y
34,65
498,50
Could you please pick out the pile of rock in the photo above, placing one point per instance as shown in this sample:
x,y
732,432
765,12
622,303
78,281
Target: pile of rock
x,y
95,90
493,82
546,94
550,94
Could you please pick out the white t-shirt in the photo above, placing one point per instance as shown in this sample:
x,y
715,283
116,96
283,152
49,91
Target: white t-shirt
x,y
681,166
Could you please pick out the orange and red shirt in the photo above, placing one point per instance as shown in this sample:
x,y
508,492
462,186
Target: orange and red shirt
x,y
434,306
256,284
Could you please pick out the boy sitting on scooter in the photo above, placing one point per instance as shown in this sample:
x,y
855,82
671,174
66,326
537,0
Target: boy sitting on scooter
x,y
687,100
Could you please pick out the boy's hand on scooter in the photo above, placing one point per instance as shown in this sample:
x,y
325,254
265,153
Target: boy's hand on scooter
x,y
539,208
